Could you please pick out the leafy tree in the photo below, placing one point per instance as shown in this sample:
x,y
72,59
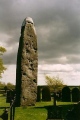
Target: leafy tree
x,y
55,84
10,86
2,84
2,68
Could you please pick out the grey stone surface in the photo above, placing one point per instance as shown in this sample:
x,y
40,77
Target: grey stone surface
x,y
27,65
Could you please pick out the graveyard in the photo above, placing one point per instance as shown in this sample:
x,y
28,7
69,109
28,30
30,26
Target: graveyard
x,y
28,101
40,110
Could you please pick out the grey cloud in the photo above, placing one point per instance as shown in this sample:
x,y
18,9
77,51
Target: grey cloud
x,y
11,57
61,18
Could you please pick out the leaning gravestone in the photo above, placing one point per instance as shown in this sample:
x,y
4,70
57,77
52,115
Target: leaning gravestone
x,y
27,65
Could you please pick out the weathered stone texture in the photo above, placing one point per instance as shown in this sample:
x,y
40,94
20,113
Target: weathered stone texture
x,y
27,65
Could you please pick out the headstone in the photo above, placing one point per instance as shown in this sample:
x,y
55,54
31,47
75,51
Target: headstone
x,y
38,94
66,96
27,65
74,113
54,113
46,94
75,95
10,95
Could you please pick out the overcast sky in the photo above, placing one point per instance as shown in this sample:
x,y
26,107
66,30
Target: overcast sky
x,y
57,23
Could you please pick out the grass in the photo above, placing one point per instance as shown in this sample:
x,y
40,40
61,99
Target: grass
x,y
3,101
31,113
37,112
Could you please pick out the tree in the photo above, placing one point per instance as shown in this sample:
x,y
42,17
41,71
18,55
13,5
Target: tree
x,y
55,84
10,86
2,68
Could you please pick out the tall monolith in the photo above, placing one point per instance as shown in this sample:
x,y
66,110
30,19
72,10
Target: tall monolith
x,y
27,65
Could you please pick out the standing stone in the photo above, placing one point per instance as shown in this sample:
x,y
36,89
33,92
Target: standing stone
x,y
27,65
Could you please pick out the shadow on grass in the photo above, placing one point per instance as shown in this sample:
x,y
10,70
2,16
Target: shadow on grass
x,y
64,108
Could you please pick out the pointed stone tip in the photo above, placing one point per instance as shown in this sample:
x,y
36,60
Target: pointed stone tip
x,y
27,20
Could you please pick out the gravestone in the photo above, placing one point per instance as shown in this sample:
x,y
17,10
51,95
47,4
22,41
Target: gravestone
x,y
74,113
27,65
54,113
10,95
38,94
66,96
46,94
75,95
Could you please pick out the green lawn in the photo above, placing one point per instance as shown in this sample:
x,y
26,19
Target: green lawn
x,y
30,113
37,112
3,101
